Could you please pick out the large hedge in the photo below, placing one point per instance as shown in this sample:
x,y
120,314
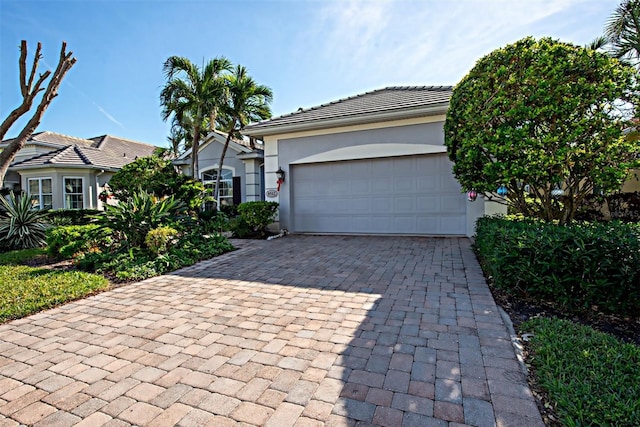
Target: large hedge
x,y
579,266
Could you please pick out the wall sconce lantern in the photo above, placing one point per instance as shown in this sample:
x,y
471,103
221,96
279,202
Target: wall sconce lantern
x,y
472,195
502,190
280,175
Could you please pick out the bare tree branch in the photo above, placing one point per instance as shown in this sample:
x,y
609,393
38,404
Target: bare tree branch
x,y
29,92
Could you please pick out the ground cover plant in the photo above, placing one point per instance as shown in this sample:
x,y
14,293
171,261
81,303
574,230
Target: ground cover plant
x,y
25,290
591,378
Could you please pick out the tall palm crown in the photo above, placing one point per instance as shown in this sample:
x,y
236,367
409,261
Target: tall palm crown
x,y
195,93
623,31
247,102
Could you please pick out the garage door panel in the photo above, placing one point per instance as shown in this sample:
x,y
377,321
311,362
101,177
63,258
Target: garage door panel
x,y
403,195
381,185
382,205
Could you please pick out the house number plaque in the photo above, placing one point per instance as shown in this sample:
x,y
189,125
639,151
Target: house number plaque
x,y
271,193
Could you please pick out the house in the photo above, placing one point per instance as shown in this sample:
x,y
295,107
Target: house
x,y
242,177
374,163
65,172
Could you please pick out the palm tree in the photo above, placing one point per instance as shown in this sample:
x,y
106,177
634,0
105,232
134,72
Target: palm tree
x,y
193,91
622,31
247,102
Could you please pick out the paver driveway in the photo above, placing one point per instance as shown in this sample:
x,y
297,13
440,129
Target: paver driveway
x,y
304,331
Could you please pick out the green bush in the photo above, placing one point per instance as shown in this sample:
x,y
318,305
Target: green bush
x,y
139,263
253,219
579,266
131,219
67,241
71,216
21,226
591,377
211,222
157,176
158,239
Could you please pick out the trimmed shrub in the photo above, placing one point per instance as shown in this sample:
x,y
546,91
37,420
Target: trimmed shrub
x,y
578,266
254,217
67,241
158,239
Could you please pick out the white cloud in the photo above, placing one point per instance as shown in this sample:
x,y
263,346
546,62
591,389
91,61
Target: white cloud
x,y
377,43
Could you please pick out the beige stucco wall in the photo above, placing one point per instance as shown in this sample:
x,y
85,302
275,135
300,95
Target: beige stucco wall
x,y
93,183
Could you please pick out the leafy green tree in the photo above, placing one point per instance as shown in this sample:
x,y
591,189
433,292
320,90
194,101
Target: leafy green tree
x,y
542,115
158,177
247,102
195,92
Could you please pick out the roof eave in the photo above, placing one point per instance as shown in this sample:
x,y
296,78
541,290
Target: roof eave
x,y
262,130
64,166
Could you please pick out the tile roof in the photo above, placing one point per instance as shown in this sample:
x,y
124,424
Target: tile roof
x,y
391,99
104,151
53,138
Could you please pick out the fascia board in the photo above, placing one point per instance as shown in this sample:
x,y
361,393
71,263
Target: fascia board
x,y
346,121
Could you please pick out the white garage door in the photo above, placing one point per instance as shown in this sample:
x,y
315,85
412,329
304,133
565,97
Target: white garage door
x,y
399,195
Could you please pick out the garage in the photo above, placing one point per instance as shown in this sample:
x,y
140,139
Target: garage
x,y
373,163
397,195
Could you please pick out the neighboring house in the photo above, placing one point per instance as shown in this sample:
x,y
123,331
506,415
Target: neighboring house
x,y
373,163
242,169
64,172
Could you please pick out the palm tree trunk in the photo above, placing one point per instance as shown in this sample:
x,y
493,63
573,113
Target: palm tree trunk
x,y
195,147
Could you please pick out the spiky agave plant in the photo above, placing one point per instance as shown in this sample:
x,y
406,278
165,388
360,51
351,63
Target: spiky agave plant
x,y
21,226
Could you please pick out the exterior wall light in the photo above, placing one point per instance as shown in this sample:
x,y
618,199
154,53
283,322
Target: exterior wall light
x,y
280,175
502,190
472,195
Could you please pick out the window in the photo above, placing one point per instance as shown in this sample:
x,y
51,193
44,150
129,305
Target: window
x,y
225,194
73,193
41,193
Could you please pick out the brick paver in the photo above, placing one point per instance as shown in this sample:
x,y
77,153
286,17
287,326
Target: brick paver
x,y
298,331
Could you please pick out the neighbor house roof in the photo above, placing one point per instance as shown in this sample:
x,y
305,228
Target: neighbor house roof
x,y
242,147
104,152
390,103
52,139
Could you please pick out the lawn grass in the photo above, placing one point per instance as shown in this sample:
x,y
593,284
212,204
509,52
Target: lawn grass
x,y
21,256
26,290
590,377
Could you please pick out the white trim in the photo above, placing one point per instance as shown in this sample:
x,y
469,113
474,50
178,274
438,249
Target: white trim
x,y
40,194
64,192
215,167
372,151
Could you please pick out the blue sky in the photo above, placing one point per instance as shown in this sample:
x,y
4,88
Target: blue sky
x,y
308,52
